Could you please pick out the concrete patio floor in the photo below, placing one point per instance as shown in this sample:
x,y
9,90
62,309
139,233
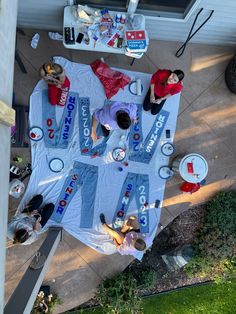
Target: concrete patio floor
x,y
206,125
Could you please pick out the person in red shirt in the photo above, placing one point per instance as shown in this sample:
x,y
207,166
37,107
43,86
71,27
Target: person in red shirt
x,y
164,84
58,83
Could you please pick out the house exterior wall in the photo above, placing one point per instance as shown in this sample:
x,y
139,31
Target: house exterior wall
x,y
43,14
8,16
220,29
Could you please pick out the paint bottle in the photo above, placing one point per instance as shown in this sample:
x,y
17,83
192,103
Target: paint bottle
x,y
120,169
123,19
118,17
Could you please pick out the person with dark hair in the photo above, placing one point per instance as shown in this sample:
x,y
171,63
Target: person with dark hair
x,y
128,240
113,116
58,83
164,84
25,226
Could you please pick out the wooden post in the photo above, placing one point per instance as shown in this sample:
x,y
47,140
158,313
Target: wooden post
x,y
7,114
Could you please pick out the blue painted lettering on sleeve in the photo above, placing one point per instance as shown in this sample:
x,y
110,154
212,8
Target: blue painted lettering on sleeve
x,y
58,136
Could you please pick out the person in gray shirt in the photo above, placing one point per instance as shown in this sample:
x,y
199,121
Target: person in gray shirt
x,y
24,227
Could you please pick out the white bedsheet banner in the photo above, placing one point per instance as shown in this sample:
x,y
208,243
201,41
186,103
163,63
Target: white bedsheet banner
x,y
110,179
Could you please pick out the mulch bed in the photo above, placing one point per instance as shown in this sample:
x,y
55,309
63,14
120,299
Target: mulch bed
x,y
181,231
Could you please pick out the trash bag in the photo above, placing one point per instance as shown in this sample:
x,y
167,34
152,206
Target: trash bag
x,y
86,15
111,80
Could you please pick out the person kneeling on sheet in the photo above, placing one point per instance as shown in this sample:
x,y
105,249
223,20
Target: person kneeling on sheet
x,y
114,116
25,226
128,240
58,83
164,84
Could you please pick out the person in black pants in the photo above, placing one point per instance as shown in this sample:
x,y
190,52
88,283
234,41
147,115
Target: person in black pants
x,y
153,106
42,214
164,84
25,226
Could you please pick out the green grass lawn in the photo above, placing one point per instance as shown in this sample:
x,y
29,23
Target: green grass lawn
x,y
209,299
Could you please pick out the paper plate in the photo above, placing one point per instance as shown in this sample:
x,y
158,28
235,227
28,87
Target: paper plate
x,y
167,149
56,165
133,89
165,172
118,154
35,133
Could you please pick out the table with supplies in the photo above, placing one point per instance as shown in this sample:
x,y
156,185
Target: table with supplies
x,y
90,29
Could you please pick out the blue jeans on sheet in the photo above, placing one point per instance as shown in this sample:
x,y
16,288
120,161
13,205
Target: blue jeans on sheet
x,y
142,150
138,185
136,135
85,130
84,176
58,136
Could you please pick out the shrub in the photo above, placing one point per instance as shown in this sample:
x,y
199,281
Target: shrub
x,y
215,245
146,278
119,295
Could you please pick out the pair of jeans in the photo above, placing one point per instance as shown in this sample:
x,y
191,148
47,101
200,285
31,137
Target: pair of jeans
x,y
85,126
155,108
142,150
45,212
84,176
58,135
135,185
